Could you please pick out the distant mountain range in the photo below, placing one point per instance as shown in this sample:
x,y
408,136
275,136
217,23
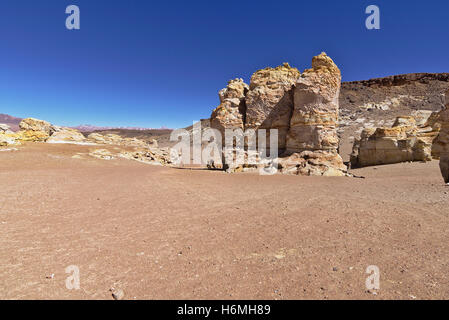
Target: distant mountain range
x,y
91,128
13,122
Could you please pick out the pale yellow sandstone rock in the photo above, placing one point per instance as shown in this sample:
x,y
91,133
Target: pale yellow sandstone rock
x,y
313,125
31,124
313,163
230,114
403,142
102,154
66,135
269,102
4,128
7,139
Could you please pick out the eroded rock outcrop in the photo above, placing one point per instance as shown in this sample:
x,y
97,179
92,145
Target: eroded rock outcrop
x,y
313,163
303,108
5,129
114,139
404,141
231,112
315,114
31,124
34,130
66,135
150,155
443,140
6,136
269,102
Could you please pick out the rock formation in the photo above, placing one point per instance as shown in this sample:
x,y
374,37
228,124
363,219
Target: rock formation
x,y
30,130
230,114
269,102
404,141
114,139
5,129
6,136
31,124
313,163
66,135
303,108
34,130
443,140
377,102
150,155
315,114
7,139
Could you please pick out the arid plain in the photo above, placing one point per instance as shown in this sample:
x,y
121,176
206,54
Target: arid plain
x,y
162,233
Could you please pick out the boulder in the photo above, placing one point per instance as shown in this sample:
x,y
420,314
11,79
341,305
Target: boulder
x,y
97,138
4,128
269,102
31,124
102,154
313,163
66,135
34,130
160,156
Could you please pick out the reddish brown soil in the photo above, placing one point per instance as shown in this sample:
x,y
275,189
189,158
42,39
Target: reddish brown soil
x,y
163,233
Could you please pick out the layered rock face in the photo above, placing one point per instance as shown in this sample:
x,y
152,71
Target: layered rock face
x,y
269,102
315,115
304,110
443,140
404,141
230,114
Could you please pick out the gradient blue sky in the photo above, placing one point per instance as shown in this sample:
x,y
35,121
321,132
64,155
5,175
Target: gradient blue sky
x,y
161,63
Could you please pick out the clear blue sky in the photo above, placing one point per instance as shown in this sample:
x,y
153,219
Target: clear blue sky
x,y
161,63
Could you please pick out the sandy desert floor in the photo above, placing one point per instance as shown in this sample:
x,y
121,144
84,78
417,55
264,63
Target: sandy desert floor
x,y
164,233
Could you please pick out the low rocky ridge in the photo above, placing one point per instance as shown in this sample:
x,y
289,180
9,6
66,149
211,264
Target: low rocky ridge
x,y
35,130
302,107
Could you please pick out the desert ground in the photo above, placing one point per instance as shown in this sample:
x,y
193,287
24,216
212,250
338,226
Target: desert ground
x,y
164,233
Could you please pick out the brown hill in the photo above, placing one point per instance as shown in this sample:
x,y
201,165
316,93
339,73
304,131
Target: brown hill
x,y
13,122
377,102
